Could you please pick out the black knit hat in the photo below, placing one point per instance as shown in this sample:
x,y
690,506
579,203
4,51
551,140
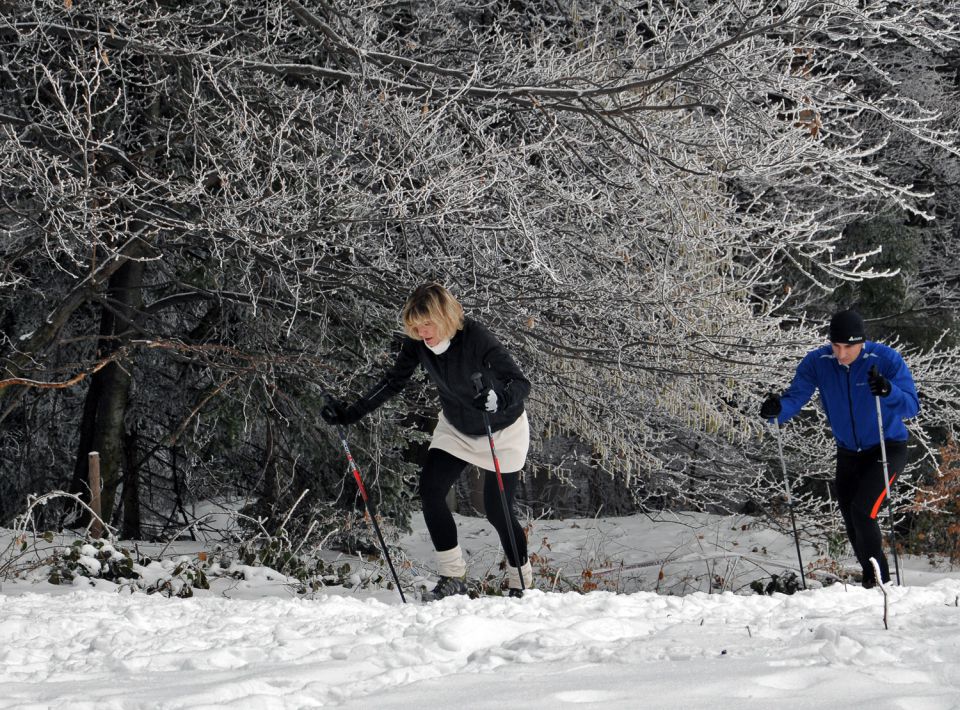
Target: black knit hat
x,y
847,327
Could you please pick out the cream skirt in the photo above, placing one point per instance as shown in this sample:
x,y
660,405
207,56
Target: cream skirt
x,y
511,443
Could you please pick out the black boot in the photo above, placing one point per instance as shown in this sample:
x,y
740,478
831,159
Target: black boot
x,y
448,587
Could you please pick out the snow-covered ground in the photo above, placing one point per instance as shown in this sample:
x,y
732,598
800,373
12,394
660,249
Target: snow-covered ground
x,y
255,643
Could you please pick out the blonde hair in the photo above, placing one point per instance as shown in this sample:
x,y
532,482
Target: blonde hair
x,y
432,302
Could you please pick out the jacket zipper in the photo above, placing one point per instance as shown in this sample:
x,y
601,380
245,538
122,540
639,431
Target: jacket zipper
x,y
853,421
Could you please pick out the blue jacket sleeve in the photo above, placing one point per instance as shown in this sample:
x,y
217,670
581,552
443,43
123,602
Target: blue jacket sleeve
x,y
902,400
800,390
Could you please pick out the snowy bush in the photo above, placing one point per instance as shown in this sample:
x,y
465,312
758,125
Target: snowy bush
x,y
311,573
174,578
95,559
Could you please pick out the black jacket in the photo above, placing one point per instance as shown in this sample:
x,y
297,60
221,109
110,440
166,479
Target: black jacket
x,y
473,349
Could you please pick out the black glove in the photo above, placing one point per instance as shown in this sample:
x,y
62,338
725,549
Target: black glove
x,y
771,406
879,385
489,400
336,413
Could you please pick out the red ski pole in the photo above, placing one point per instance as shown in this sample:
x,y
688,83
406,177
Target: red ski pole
x,y
369,507
341,433
478,385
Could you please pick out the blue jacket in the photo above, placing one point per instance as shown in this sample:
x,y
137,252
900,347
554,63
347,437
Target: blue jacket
x,y
846,398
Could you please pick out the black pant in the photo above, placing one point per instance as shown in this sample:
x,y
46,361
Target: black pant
x,y
860,494
438,475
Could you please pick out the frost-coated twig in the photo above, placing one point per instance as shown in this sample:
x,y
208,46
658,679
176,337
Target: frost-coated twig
x,y
883,588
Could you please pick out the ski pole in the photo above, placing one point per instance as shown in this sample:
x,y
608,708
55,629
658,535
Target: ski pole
x,y
786,485
886,483
366,502
363,489
478,385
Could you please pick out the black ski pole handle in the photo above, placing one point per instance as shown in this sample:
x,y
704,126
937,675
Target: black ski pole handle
x,y
477,378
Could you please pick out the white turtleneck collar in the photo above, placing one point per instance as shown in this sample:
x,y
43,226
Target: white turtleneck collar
x,y
440,348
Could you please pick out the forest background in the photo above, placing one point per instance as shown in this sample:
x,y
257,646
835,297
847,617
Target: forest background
x,y
212,213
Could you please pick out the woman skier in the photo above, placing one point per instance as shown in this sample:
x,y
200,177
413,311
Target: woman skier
x,y
452,349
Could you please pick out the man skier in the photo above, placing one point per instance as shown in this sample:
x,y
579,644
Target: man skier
x,y
850,372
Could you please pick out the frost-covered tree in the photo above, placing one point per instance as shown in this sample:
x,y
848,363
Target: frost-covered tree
x,y
213,211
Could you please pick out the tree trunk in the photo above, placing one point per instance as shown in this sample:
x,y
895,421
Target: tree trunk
x,y
102,427
131,491
88,424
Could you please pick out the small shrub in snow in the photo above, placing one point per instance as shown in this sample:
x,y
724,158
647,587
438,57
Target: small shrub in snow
x,y
95,559
180,577
788,583
312,573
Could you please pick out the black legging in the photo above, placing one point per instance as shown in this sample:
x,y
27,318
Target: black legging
x,y
861,491
438,475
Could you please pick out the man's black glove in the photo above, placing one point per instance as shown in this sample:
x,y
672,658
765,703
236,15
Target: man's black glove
x,y
879,385
771,406
337,413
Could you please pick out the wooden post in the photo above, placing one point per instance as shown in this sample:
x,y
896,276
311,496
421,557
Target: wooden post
x,y
93,472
